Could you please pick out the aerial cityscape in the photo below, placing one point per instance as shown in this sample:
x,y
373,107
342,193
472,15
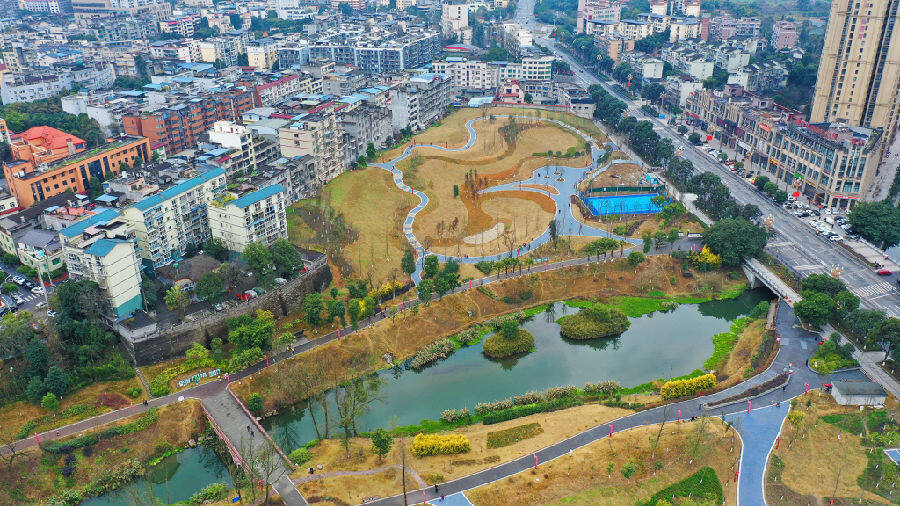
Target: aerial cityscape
x,y
461,252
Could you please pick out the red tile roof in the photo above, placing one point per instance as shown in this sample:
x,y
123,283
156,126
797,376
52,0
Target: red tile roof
x,y
53,138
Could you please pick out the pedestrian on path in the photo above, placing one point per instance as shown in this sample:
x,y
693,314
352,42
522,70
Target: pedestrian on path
x,y
435,488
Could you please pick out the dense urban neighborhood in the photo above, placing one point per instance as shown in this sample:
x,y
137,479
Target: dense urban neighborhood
x,y
462,252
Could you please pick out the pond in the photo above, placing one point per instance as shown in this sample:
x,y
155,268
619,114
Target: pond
x,y
176,478
658,345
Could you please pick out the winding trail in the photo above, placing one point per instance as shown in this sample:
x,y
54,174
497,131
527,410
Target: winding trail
x,y
560,177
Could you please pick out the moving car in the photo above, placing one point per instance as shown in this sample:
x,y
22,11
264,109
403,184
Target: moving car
x,y
883,272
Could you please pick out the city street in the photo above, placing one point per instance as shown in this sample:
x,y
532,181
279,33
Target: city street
x,y
794,242
34,302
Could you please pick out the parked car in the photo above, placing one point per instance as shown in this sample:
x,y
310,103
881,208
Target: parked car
x,y
38,289
17,299
29,284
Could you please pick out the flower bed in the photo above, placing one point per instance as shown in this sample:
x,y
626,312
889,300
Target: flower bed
x,y
433,444
683,388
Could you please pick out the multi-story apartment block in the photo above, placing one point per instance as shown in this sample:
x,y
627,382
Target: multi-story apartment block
x,y
126,28
238,148
589,10
48,6
420,101
364,122
859,73
455,21
183,25
478,75
614,46
273,92
166,223
318,135
184,50
101,248
784,35
697,64
257,216
724,28
262,53
832,163
517,39
377,52
30,183
94,9
219,49
37,86
40,250
758,77
179,126
293,54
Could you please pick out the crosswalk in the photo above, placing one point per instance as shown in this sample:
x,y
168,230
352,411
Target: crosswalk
x,y
873,290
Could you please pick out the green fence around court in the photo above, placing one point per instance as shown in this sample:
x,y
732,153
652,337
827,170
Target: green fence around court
x,y
613,189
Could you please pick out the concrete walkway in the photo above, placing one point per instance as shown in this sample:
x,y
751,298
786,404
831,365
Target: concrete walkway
x,y
244,435
758,429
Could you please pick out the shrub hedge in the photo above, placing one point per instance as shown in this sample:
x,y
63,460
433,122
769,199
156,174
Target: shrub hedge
x,y
300,455
434,444
683,388
145,421
498,346
529,409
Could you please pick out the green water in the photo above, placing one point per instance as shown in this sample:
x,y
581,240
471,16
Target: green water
x,y
658,345
176,478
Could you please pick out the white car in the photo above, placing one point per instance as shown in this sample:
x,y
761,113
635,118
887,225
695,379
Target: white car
x,y
835,237
38,290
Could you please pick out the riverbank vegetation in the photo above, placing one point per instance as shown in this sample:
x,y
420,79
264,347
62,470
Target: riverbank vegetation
x,y
818,430
508,341
99,460
630,468
404,334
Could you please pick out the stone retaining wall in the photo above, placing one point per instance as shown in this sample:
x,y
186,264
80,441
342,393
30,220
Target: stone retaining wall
x,y
174,341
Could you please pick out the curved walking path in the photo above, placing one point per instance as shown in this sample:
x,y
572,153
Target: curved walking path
x,y
758,429
562,178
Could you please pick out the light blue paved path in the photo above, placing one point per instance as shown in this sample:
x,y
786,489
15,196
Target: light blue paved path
x,y
893,454
758,430
567,224
457,499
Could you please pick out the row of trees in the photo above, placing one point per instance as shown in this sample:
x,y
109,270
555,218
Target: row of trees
x,y
713,196
437,280
640,134
21,116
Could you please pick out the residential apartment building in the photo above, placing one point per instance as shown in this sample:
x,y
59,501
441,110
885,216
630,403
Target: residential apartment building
x,y
257,216
273,92
859,72
378,52
183,25
101,248
97,9
183,50
759,77
180,126
291,55
697,64
318,135
28,87
420,101
48,6
262,53
468,74
238,148
725,27
590,10
30,183
166,223
614,46
784,35
455,22
832,163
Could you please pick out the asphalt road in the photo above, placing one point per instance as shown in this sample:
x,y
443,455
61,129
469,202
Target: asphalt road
x,y
794,243
31,299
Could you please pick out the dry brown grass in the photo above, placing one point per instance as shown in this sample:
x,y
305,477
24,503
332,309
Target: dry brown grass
x,y
618,174
408,332
556,426
14,415
821,460
746,346
35,473
583,476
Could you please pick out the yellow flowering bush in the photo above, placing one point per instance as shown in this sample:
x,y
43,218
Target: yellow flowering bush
x,y
705,260
435,444
683,388
386,290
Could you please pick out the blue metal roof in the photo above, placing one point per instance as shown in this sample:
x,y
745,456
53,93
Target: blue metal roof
x,y
176,190
79,227
107,198
102,247
258,195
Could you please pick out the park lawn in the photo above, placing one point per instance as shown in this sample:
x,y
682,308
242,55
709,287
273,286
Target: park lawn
x,y
452,129
15,415
36,474
593,474
410,332
824,463
330,454
618,174
154,370
375,209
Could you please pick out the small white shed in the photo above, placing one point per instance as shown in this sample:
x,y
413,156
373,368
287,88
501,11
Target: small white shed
x,y
858,393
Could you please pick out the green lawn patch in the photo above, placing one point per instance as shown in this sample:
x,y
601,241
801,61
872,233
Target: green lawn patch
x,y
700,486
853,422
513,435
725,342
830,357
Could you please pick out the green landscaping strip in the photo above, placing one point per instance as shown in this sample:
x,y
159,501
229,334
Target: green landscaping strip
x,y
702,485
